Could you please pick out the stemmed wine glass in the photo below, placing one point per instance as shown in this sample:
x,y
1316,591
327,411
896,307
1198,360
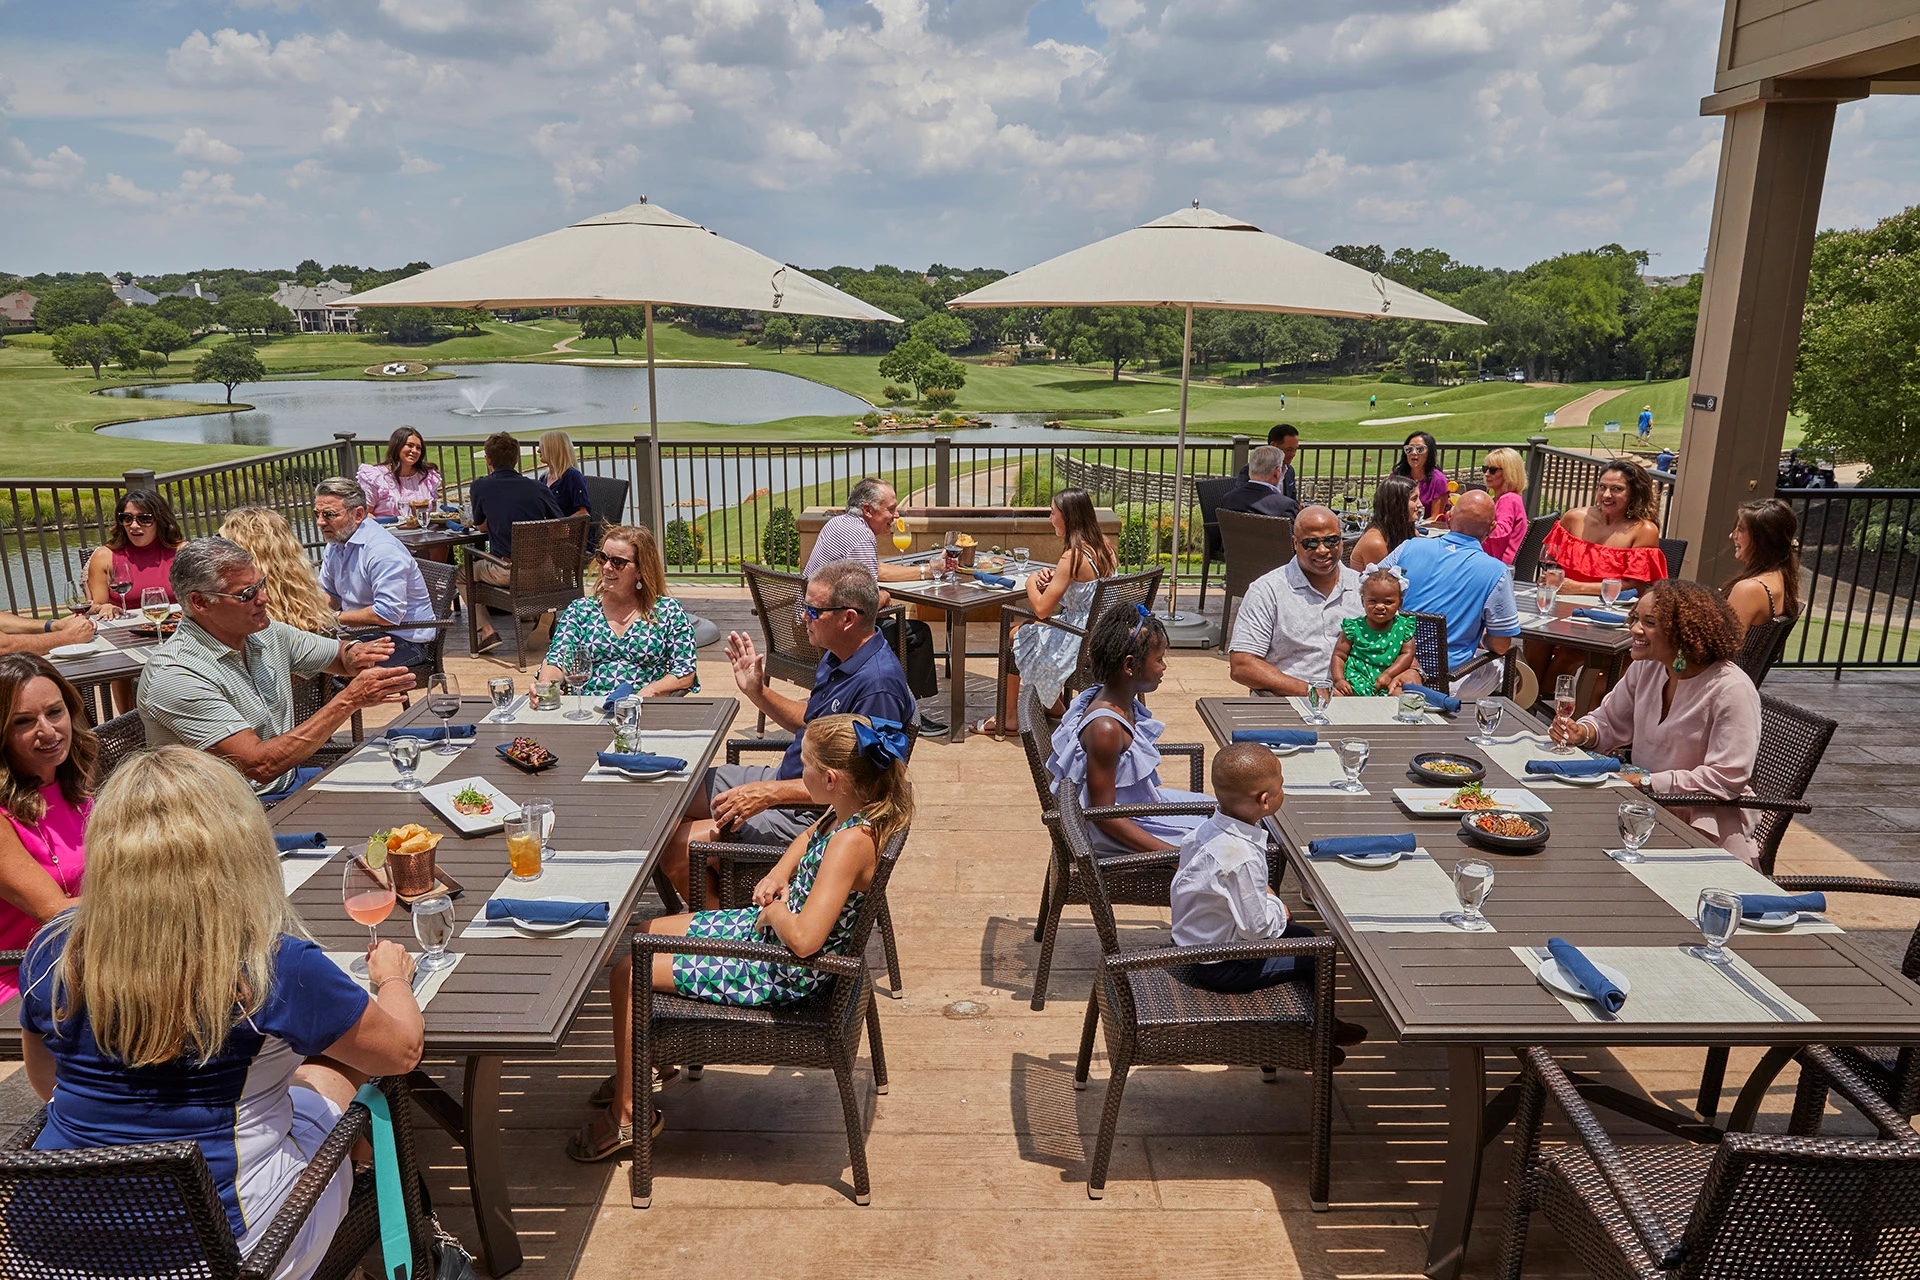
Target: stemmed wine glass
x,y
500,689
120,587
1472,882
443,700
902,539
367,894
579,672
951,550
1353,758
1718,915
1488,711
1552,578
154,606
77,602
1636,828
433,925
1564,703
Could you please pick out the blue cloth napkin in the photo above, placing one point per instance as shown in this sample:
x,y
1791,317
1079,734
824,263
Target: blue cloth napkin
x,y
1759,904
434,734
641,762
302,840
1600,615
386,519
1604,993
622,690
454,526
1626,597
991,579
1361,846
545,911
1278,737
1574,768
1437,700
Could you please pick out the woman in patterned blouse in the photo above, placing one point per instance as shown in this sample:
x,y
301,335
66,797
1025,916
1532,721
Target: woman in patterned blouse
x,y
636,633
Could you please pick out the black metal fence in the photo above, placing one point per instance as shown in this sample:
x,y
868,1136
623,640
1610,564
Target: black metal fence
x,y
1859,560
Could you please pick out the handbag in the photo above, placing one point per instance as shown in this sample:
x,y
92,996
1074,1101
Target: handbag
x,y
450,1260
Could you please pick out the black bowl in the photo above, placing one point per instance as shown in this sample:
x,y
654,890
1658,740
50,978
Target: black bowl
x,y
1418,768
1511,844
522,765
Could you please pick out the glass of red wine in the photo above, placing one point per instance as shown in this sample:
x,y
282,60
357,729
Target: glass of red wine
x,y
120,587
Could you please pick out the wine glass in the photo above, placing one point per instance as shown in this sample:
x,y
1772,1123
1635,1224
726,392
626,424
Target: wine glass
x,y
433,925
404,751
951,549
77,602
1488,711
120,587
1636,828
1472,882
1718,915
902,540
443,700
1319,698
579,672
367,894
1353,758
154,606
1563,707
1609,591
500,689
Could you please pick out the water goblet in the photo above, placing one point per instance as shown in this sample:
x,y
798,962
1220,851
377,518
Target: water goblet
x,y
404,751
433,925
1488,711
1552,578
1472,882
1353,758
579,671
1718,915
443,700
1609,591
1564,704
367,894
1636,828
500,689
1319,698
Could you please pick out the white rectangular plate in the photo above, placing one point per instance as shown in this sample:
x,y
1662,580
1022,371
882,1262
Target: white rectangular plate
x,y
1426,801
440,797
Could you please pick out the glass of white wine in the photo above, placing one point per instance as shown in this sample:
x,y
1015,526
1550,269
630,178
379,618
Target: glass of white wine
x,y
154,606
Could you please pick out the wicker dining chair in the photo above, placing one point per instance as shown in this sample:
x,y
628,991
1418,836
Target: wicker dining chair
x,y
820,1032
607,499
151,1209
1254,546
1145,880
1764,645
1153,1016
544,574
777,599
119,738
1209,490
1121,591
1526,563
1675,550
1750,1207
1430,655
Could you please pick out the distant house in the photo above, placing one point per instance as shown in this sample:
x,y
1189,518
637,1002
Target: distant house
x,y
309,306
193,290
16,310
133,295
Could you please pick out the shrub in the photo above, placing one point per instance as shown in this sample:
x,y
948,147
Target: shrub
x,y
780,540
685,544
945,416
940,397
1036,485
871,419
895,395
1139,525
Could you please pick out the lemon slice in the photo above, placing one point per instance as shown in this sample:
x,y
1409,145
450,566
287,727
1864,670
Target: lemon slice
x,y
376,851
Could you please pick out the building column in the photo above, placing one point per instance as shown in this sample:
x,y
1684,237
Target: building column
x,y
1773,164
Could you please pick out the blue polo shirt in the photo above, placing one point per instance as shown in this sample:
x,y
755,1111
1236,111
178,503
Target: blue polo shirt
x,y
1452,575
869,683
502,499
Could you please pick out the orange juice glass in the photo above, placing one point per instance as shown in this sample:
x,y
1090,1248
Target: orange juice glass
x,y
524,832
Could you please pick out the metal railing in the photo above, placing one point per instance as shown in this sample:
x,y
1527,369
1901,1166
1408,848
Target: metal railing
x,y
1859,561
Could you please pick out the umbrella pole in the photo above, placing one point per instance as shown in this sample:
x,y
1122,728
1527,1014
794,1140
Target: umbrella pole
x,y
1184,631
704,632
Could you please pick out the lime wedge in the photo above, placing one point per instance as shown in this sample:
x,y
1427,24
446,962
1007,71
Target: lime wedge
x,y
376,851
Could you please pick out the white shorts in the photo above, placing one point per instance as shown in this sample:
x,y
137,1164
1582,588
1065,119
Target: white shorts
x,y
313,1119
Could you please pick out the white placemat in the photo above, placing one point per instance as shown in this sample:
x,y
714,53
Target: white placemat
x,y
1671,986
684,744
1408,897
1678,876
139,655
1363,711
369,769
1514,750
302,865
592,875
1316,771
426,985
524,714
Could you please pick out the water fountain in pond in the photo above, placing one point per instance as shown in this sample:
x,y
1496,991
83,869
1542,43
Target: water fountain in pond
x,y
479,404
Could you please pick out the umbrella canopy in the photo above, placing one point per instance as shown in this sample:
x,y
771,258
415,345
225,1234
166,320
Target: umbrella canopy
x,y
636,255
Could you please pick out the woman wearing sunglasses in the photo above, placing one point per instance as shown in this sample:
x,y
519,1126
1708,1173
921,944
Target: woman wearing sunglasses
x,y
1506,473
637,634
1419,462
138,553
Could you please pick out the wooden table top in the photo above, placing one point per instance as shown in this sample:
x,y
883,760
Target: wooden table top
x,y
968,593
1563,629
418,540
102,667
1468,988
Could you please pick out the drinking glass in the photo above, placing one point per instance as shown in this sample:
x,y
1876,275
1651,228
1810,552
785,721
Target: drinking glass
x,y
443,700
404,751
1413,708
523,844
1319,698
1353,758
1563,708
1636,828
153,605
952,550
77,601
1718,915
1609,591
367,895
579,671
1472,882
901,538
1552,578
1021,558
433,925
500,689
120,587
626,723
1488,712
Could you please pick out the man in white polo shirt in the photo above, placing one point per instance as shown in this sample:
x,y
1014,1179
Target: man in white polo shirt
x,y
1290,619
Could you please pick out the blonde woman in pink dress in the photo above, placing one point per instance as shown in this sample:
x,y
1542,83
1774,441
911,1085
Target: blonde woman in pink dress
x,y
47,756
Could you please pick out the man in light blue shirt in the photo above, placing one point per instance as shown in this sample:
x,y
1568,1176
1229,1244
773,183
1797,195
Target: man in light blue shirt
x,y
370,576
1451,575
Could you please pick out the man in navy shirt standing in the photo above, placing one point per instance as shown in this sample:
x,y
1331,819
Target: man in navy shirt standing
x,y
858,675
501,498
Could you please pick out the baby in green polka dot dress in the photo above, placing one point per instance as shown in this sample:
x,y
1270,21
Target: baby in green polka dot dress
x,y
1376,648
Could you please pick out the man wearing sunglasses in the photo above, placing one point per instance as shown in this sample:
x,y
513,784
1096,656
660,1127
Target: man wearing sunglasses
x,y
1290,620
223,682
372,579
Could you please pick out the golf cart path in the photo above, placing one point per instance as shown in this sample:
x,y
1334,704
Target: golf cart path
x,y
1574,412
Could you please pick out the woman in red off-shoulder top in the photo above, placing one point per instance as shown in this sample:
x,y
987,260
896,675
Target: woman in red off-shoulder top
x,y
1616,537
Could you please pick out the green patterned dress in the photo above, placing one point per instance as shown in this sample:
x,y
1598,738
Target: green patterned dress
x,y
1372,652
726,980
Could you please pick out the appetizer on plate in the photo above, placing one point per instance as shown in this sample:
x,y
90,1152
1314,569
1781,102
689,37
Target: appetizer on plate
x,y
1472,797
528,752
473,802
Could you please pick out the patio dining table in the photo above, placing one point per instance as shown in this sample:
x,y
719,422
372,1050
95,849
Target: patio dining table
x,y
1471,993
1606,647
955,600
120,652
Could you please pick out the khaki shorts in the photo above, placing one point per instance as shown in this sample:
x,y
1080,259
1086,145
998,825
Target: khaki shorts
x,y
494,575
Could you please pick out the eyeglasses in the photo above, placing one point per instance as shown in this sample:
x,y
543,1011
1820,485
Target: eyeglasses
x,y
138,517
326,517
615,563
1314,544
244,595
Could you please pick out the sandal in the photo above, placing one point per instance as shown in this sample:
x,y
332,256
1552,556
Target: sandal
x,y
588,1149
985,726
487,644
602,1095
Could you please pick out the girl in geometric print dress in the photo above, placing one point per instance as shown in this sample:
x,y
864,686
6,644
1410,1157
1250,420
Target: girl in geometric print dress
x,y
857,768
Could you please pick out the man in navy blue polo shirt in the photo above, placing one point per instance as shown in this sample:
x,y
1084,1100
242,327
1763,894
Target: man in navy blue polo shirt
x,y
859,675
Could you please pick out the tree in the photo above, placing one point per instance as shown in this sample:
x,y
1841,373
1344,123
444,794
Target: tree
x,y
86,303
405,324
942,373
818,330
779,331
1663,332
308,272
192,314
903,363
89,344
250,314
1112,335
613,323
230,363
942,331
165,337
780,539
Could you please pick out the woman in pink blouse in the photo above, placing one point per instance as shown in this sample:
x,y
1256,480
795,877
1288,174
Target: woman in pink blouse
x,y
1690,714
406,476
47,756
1506,474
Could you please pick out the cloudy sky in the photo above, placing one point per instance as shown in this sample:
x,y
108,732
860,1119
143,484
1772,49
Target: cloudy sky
x,y
162,135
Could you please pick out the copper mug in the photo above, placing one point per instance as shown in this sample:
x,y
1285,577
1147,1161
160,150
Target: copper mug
x,y
412,873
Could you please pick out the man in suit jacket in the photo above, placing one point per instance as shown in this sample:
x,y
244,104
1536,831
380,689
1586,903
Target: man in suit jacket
x,y
1286,438
1259,494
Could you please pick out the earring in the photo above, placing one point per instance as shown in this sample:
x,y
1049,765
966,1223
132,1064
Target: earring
x,y
1680,663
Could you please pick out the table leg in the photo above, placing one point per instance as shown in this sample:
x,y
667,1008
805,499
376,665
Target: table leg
x,y
486,1164
1466,1142
957,677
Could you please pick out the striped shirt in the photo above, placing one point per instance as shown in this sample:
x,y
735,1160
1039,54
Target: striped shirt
x,y
846,537
195,691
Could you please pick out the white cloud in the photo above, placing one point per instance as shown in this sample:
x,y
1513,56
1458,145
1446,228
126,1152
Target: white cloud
x,y
1702,166
58,170
125,191
197,144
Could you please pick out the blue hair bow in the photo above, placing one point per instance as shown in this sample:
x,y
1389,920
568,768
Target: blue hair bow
x,y
1145,613
884,742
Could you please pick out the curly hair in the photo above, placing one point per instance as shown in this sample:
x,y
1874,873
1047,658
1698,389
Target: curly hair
x,y
293,591
1120,635
1642,504
1697,619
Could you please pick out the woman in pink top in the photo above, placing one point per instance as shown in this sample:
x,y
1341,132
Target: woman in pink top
x,y
1506,475
1690,714
406,476
138,553
47,757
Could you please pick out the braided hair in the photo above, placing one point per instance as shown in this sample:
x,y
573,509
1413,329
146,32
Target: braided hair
x,y
1123,635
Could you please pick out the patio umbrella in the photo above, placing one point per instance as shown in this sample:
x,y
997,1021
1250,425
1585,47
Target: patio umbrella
x,y
1196,258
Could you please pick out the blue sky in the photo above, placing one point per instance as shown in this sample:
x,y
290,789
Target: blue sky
x,y
169,134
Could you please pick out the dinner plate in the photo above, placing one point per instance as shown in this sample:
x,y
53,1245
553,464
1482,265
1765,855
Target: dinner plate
x,y
1370,861
1554,978
1607,626
1585,780
547,930
73,651
440,797
646,775
1771,920
1427,802
1291,748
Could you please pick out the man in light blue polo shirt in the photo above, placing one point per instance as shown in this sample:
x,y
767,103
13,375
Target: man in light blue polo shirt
x,y
368,573
1451,575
